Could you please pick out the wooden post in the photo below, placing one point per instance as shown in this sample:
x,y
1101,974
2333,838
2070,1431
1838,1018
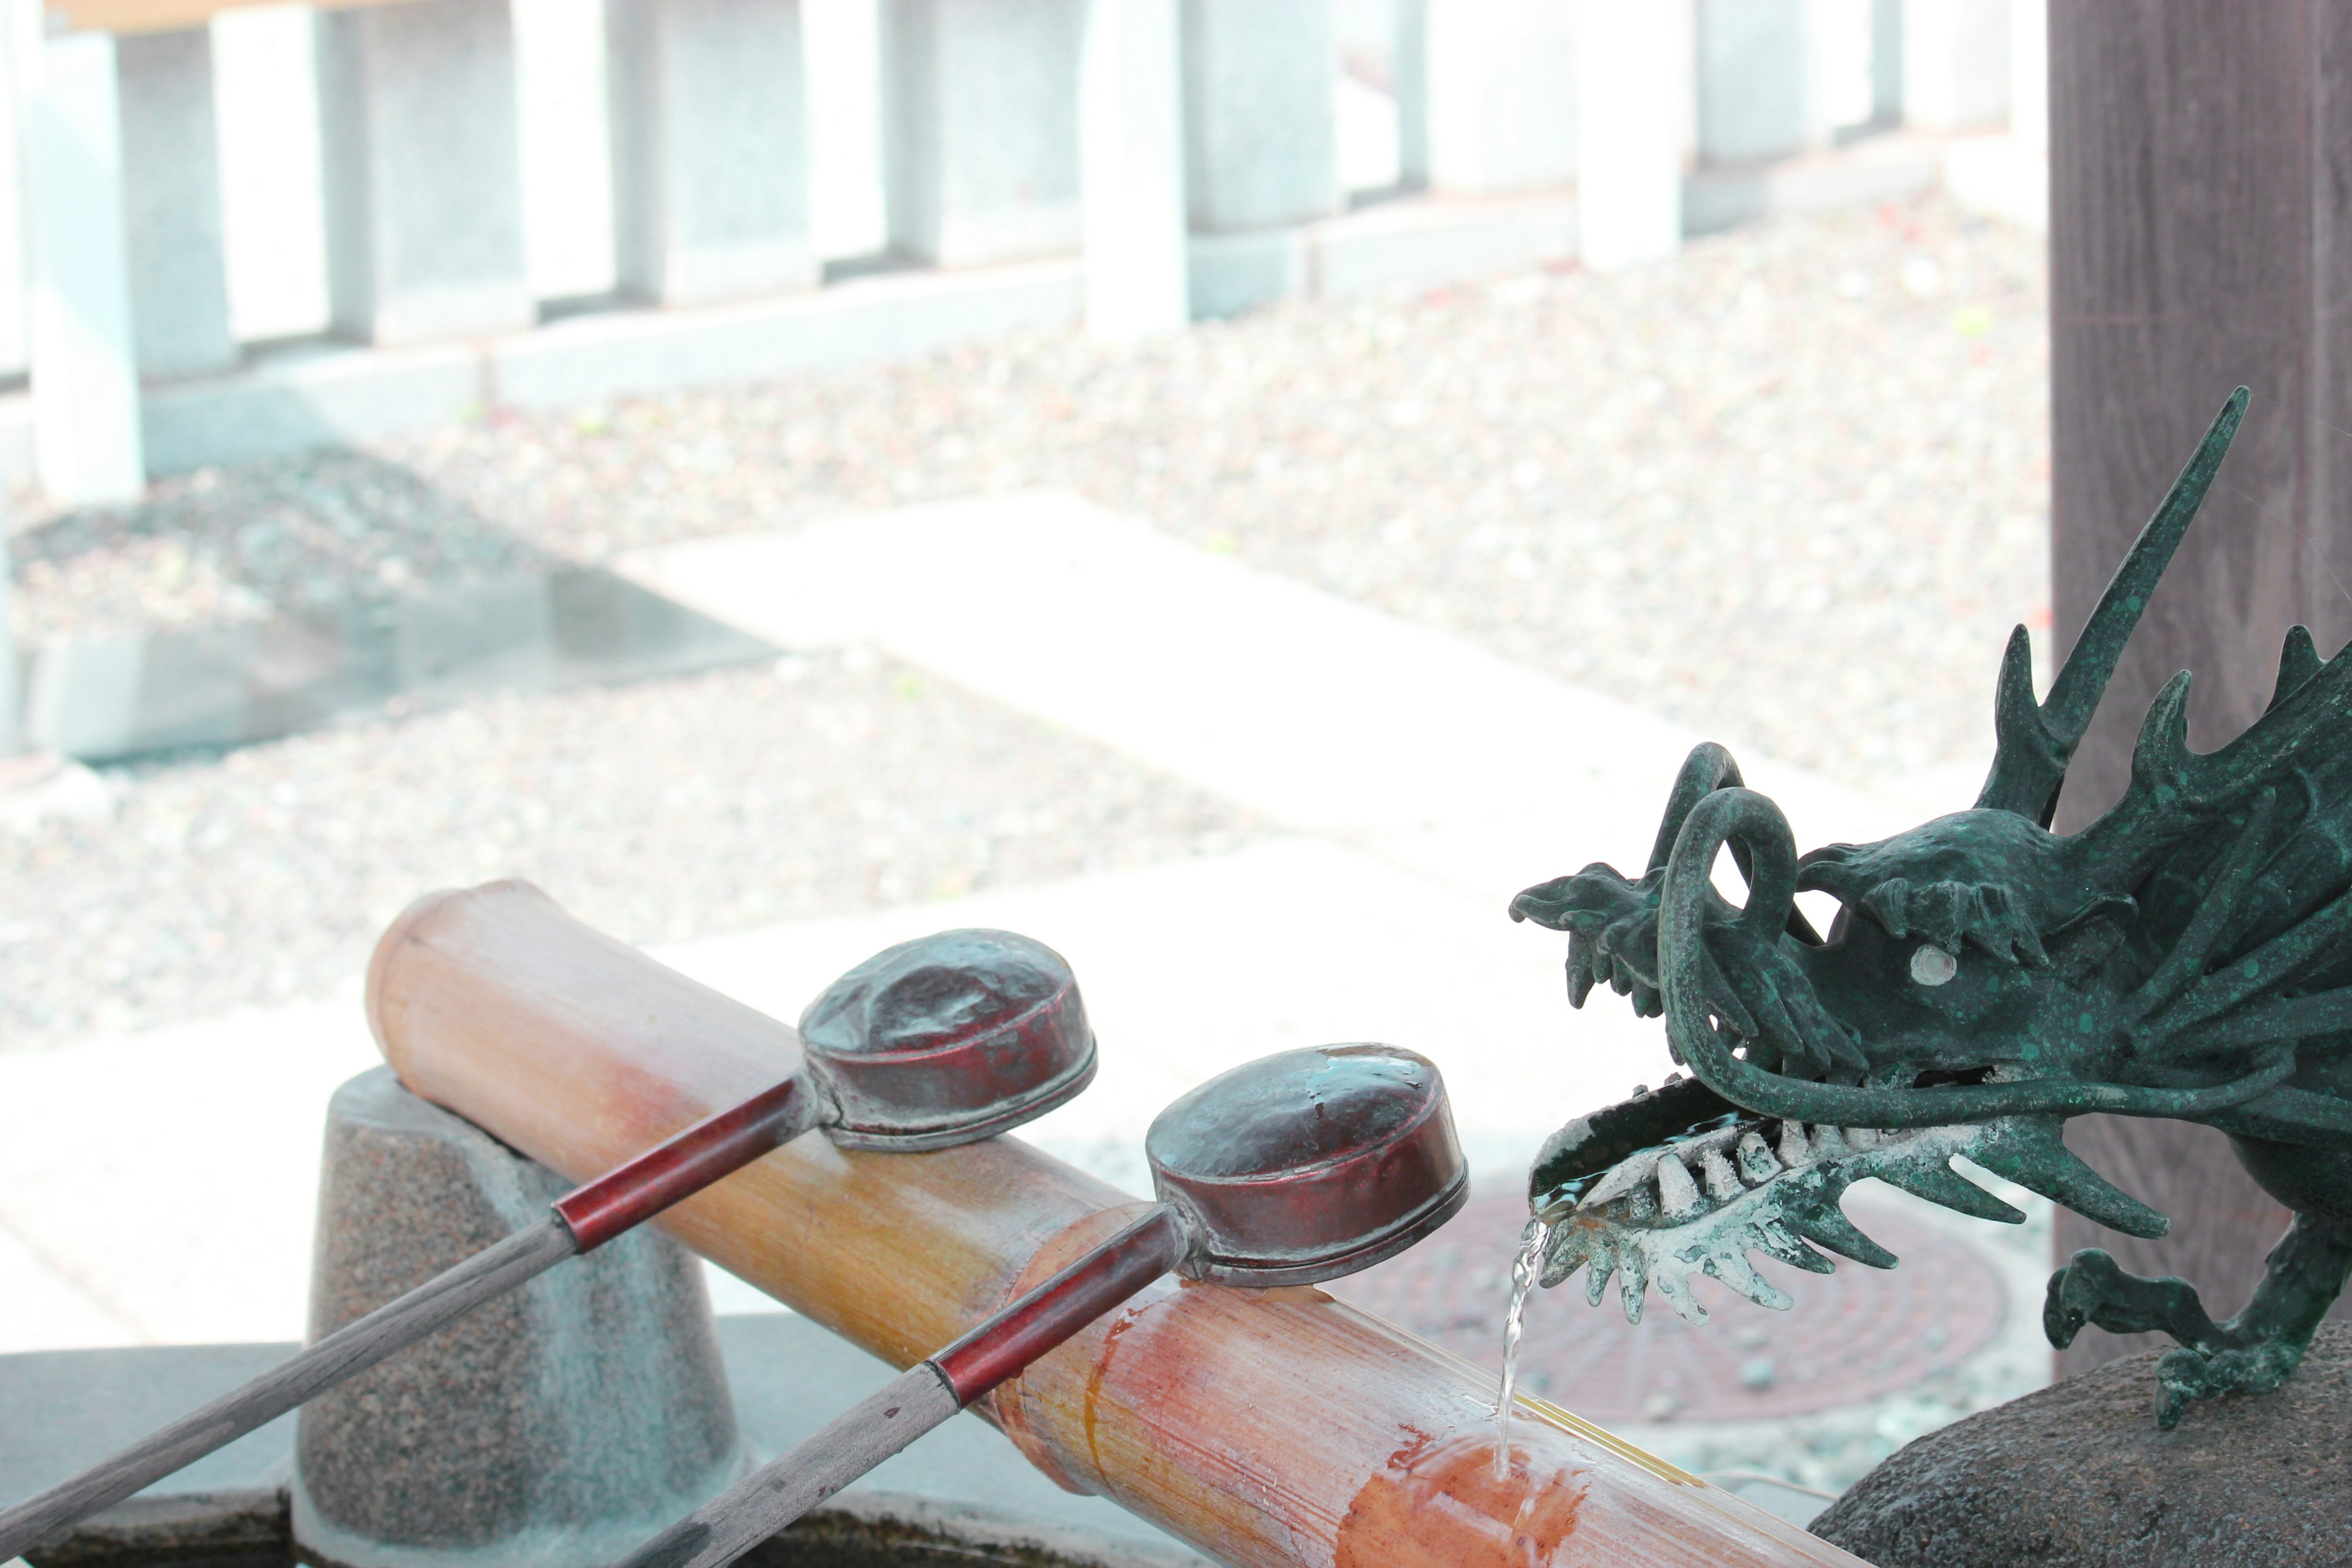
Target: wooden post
x,y
2200,236
1273,1429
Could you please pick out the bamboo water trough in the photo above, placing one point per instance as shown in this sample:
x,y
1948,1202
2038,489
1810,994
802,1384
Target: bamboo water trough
x,y
1272,1429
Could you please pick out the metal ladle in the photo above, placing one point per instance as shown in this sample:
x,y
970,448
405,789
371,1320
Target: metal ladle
x,y
1290,1169
944,1040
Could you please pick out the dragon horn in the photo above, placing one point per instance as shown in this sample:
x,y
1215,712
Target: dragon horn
x,y
2034,743
2299,660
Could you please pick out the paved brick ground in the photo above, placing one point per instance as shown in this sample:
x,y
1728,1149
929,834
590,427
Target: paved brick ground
x,y
1854,1336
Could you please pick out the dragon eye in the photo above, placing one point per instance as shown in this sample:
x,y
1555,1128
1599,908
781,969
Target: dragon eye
x,y
1931,965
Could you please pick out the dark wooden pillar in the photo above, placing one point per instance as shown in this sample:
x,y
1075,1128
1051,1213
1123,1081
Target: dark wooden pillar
x,y
2201,237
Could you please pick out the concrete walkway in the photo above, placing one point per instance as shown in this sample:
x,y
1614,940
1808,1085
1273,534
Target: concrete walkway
x,y
159,1189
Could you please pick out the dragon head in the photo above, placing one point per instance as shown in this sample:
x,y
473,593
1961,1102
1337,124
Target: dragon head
x,y
1984,978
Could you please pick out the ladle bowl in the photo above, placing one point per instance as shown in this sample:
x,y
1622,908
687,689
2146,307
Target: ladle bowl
x,y
946,1038
1309,1164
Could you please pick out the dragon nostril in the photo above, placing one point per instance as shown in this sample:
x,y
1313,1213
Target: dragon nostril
x,y
1931,965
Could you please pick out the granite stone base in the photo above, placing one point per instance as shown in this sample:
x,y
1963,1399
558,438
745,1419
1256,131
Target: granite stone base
x,y
2079,1475
554,1427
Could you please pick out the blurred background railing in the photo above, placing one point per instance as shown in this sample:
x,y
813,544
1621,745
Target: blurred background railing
x,y
247,229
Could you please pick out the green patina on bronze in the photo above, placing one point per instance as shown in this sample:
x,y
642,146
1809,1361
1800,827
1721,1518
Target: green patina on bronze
x,y
2188,954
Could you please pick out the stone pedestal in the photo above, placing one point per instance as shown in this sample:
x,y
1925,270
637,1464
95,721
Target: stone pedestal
x,y
981,128
172,203
1261,137
555,1427
421,167
2079,1476
711,149
1757,95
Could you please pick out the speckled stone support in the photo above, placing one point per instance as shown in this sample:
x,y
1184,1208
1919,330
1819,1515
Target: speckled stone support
x,y
554,1427
2079,1475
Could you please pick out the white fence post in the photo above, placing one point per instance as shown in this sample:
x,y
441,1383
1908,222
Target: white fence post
x,y
265,103
422,169
981,128
172,203
2009,175
1757,94
1633,65
1131,131
86,436
2028,75
1955,64
12,724
1497,82
711,149
14,243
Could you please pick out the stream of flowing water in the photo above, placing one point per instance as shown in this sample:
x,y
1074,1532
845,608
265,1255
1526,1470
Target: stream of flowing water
x,y
1523,1280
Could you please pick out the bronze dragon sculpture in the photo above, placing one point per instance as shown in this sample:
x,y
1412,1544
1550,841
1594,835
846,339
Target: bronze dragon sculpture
x,y
2188,955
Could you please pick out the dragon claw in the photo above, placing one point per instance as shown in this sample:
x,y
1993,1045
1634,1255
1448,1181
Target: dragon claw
x,y
2181,1377
2093,1289
2189,1373
2252,1352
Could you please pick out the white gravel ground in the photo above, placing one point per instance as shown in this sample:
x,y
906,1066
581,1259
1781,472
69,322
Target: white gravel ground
x,y
657,811
1789,488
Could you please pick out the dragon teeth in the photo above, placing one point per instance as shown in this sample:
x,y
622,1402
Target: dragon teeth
x,y
1757,1166
1625,1177
1722,1181
1794,1152
1828,1141
1677,1193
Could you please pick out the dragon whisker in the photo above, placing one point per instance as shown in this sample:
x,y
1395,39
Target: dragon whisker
x,y
2293,1108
